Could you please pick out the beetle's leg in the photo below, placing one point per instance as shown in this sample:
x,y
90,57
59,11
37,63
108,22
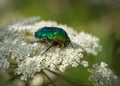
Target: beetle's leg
x,y
53,44
71,44
62,46
47,49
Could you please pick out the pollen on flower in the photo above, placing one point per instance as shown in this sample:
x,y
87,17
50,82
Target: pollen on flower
x,y
18,43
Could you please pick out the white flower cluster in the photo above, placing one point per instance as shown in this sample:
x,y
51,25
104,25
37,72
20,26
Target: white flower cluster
x,y
102,75
89,43
4,64
29,67
17,42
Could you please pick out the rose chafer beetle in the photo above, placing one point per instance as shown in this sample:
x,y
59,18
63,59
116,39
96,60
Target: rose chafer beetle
x,y
54,36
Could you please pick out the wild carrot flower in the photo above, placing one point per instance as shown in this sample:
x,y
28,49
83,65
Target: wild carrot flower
x,y
101,75
17,44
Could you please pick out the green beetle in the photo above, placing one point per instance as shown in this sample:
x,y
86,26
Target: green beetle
x,y
53,35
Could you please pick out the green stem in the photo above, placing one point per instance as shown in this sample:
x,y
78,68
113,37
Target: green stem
x,y
68,79
48,78
14,77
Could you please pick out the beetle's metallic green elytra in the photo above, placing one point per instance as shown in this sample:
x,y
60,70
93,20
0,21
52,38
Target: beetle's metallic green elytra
x,y
53,35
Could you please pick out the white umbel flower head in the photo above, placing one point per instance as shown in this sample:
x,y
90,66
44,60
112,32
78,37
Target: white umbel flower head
x,y
101,75
18,43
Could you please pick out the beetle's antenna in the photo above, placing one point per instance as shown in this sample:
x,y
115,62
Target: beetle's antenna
x,y
47,49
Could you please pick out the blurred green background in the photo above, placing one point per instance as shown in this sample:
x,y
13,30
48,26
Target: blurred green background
x,y
98,17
